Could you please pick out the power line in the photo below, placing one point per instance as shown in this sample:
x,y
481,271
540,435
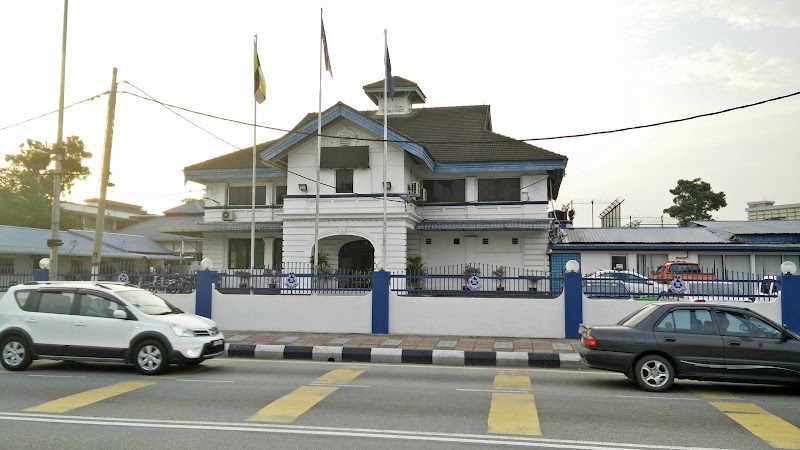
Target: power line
x,y
169,108
94,97
484,141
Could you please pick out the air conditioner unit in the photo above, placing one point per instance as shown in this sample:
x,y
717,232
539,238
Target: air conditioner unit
x,y
414,189
424,196
227,215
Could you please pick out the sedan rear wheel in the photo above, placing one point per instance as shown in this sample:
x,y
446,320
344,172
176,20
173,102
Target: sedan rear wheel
x,y
654,373
16,354
151,358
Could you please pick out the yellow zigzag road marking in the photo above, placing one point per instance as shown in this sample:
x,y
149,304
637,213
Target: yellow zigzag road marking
x,y
513,413
87,398
291,406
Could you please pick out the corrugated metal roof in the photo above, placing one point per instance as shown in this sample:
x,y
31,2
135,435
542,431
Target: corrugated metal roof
x,y
481,225
33,241
735,227
125,242
641,235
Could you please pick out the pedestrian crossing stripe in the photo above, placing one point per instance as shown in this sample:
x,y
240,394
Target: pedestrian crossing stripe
x,y
762,423
79,400
291,406
513,413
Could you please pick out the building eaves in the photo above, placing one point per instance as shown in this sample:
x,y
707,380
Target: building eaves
x,y
221,227
484,225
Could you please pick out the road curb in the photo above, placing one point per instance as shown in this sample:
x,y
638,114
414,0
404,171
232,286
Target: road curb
x,y
569,360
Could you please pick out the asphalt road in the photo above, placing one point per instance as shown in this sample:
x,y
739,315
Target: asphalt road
x,y
231,403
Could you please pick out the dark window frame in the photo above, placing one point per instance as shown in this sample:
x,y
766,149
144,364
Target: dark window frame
x,y
499,189
446,191
242,195
344,181
239,253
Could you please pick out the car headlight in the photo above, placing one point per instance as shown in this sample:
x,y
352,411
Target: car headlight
x,y
181,331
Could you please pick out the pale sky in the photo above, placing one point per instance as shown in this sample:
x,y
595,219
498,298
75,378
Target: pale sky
x,y
546,68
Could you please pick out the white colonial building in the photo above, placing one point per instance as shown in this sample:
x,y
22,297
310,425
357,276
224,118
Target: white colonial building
x,y
457,192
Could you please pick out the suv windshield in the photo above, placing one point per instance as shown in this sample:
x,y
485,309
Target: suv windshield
x,y
149,303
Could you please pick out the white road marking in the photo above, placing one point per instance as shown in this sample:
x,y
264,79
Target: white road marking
x,y
57,376
331,431
502,391
205,381
657,397
339,385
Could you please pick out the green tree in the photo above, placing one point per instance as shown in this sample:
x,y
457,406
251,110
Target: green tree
x,y
693,200
26,185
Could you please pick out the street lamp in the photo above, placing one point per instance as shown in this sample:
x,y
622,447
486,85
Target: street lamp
x,y
44,263
572,266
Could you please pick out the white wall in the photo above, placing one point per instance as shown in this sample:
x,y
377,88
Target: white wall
x,y
185,302
311,313
460,316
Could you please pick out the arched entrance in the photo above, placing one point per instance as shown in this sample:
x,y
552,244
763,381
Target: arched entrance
x,y
357,255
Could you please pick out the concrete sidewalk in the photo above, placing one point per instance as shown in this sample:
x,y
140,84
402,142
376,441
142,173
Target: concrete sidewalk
x,y
398,348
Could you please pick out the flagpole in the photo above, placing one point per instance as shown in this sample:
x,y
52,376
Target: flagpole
x,y
253,188
319,151
385,140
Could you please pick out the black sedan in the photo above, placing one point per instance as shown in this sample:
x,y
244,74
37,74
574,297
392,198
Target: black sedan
x,y
700,341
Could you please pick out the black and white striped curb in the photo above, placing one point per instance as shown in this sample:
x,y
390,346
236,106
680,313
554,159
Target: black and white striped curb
x,y
403,355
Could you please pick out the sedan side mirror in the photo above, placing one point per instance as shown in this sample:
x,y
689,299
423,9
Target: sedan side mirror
x,y
120,314
785,334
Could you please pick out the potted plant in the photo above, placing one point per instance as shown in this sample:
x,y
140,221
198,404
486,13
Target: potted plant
x,y
469,271
415,268
323,267
500,273
274,275
244,277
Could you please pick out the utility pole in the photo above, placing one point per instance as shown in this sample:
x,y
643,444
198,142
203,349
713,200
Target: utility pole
x,y
100,223
54,242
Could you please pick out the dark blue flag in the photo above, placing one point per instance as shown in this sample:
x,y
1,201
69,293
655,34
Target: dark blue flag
x,y
389,79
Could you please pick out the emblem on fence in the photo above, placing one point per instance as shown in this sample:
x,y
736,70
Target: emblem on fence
x,y
123,277
677,286
474,283
291,280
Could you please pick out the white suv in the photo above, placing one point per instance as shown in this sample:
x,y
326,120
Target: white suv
x,y
101,321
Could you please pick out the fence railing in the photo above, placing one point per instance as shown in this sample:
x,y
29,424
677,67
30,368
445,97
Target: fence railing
x,y
477,279
12,279
295,278
731,286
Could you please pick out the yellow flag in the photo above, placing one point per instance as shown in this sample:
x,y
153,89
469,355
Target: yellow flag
x,y
260,89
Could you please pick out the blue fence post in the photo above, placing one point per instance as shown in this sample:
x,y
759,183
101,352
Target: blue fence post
x,y
790,301
573,304
202,294
41,274
380,302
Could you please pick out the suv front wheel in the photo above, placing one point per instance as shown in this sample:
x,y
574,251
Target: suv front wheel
x,y
150,358
16,353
